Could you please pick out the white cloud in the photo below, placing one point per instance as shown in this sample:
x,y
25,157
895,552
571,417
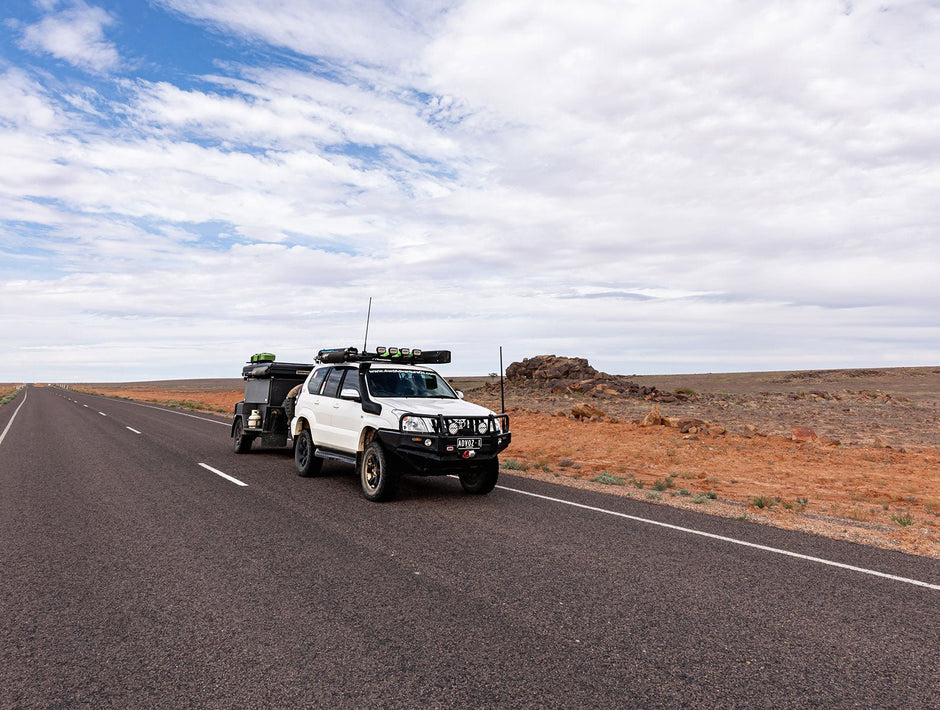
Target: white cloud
x,y
651,185
26,106
370,32
75,35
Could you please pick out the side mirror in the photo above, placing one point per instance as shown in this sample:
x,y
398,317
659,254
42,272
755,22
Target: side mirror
x,y
459,394
350,393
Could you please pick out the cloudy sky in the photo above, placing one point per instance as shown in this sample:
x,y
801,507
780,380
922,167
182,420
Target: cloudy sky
x,y
658,186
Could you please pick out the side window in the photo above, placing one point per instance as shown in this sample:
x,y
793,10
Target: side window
x,y
351,381
331,388
316,382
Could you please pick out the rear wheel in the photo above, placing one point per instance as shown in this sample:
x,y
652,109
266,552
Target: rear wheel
x,y
305,458
242,440
379,480
480,481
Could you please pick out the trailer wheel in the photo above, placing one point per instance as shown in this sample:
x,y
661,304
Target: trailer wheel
x,y
243,441
480,481
305,458
379,479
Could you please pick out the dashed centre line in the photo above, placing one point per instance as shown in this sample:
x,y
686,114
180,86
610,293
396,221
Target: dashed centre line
x,y
217,472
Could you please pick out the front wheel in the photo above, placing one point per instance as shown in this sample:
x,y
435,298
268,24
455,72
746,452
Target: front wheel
x,y
379,481
305,458
242,440
480,481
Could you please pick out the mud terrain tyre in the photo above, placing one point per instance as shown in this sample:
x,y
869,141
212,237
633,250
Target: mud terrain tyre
x,y
305,458
242,441
480,481
378,477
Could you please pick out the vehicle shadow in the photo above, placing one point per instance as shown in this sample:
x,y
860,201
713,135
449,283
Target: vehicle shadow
x,y
412,487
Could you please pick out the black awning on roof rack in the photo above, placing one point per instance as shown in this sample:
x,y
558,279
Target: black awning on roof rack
x,y
393,355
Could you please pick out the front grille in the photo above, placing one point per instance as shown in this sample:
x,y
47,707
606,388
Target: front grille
x,y
469,426
466,426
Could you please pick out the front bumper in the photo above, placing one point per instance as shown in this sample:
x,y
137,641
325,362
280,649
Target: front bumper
x,y
435,454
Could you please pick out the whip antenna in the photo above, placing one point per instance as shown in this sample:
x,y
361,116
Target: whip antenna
x,y
502,391
368,316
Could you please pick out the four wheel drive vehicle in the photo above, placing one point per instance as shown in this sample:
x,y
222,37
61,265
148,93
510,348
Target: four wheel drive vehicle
x,y
262,413
388,414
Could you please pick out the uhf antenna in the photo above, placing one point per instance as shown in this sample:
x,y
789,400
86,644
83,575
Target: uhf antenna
x,y
368,316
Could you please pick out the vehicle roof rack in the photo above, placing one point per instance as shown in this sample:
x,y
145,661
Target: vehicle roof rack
x,y
407,356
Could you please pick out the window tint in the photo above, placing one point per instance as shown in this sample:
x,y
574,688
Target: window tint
x,y
331,388
316,382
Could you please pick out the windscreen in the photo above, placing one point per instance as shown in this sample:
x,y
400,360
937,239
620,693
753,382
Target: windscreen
x,y
408,383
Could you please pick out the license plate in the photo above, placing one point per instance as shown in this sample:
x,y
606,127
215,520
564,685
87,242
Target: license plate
x,y
469,443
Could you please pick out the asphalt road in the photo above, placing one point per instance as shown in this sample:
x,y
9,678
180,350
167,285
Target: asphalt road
x,y
131,576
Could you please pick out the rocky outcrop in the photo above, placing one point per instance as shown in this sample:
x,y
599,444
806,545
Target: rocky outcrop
x,y
685,425
571,375
551,367
587,411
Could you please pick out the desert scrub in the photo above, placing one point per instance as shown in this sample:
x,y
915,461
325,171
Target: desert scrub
x,y
191,405
663,484
764,501
798,505
609,479
513,465
903,519
7,396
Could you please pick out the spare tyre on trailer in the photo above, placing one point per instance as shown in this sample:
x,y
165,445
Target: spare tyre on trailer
x,y
269,390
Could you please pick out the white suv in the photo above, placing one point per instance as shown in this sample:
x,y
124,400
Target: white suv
x,y
388,414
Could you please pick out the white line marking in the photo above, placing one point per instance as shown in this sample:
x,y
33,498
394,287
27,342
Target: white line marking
x,y
132,429
86,406
223,475
16,411
732,540
102,414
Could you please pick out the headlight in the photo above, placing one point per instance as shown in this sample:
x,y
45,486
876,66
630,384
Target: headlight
x,y
483,427
416,424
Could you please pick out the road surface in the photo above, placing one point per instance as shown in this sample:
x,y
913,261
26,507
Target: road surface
x,y
133,573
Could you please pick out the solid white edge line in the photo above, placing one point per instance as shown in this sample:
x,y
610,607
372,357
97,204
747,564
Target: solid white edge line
x,y
732,540
217,472
132,429
15,412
